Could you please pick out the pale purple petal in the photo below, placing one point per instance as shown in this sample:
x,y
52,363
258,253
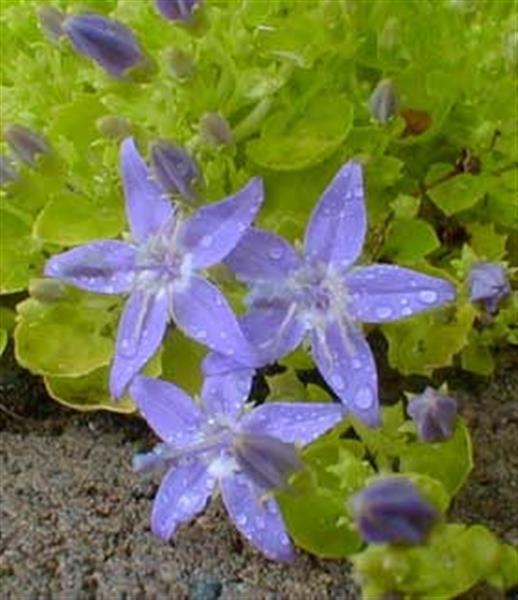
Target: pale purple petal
x,y
380,293
346,363
105,267
216,363
225,395
183,493
337,227
141,330
273,330
261,255
201,311
169,411
214,230
147,208
293,422
258,518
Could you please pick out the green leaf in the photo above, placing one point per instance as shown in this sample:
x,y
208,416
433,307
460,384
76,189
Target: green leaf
x,y
181,361
3,340
286,387
476,356
408,241
458,193
487,243
450,462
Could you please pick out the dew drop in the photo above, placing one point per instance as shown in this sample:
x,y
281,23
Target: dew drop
x,y
201,334
407,311
241,520
206,241
275,253
383,312
356,363
404,301
364,397
428,296
337,381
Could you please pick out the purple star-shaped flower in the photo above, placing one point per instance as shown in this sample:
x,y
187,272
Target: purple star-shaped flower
x,y
322,295
158,269
488,284
247,454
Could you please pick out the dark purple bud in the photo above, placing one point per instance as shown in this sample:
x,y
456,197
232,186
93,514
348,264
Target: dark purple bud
x,y
215,130
179,64
383,101
113,127
174,169
266,460
46,290
109,43
392,511
434,414
51,21
7,171
25,144
177,10
488,284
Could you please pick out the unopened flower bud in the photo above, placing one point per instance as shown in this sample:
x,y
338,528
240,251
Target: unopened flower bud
x,y
434,414
177,10
392,511
25,144
46,290
51,22
179,64
488,284
109,43
215,129
7,171
174,169
267,460
383,101
113,127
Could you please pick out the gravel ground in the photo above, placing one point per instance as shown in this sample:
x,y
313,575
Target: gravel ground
x,y
74,518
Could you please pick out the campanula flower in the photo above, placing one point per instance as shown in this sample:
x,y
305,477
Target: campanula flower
x,y
51,21
322,295
383,101
392,511
434,414
488,284
215,129
177,10
25,143
109,43
8,172
174,169
158,269
246,453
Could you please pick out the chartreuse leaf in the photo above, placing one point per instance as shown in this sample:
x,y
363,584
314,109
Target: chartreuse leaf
x,y
458,193
20,254
428,341
3,340
286,387
298,359
7,317
487,243
181,359
68,338
456,558
450,462
408,241
476,356
315,508
90,391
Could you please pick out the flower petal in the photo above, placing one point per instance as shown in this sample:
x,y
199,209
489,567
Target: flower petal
x,y
337,227
169,411
258,519
293,422
214,230
380,293
224,395
141,331
274,331
346,363
147,208
105,267
261,255
183,493
201,311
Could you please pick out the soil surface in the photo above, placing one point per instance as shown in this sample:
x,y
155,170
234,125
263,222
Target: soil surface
x,y
74,518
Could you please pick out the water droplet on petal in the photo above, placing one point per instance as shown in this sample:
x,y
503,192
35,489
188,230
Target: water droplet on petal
x,y
364,397
206,241
383,312
356,363
275,253
241,520
201,334
337,381
428,296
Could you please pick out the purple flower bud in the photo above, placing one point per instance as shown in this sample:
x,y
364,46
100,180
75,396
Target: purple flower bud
x,y
383,101
434,415
267,460
215,129
113,127
177,10
488,284
46,290
174,169
51,21
109,43
25,143
179,64
392,511
7,171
